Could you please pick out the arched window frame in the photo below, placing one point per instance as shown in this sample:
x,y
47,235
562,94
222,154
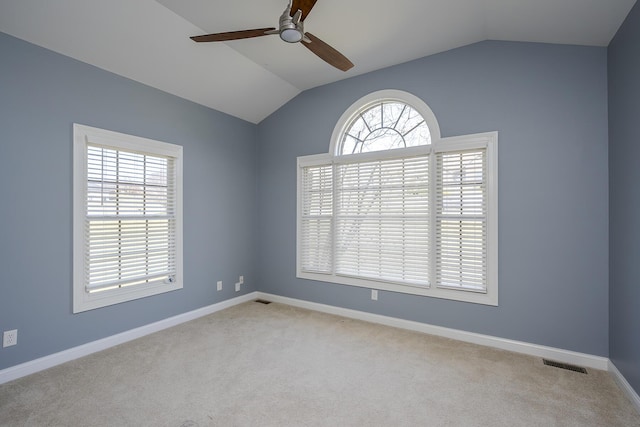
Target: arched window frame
x,y
439,148
366,102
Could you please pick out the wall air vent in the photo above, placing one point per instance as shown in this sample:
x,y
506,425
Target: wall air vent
x,y
564,366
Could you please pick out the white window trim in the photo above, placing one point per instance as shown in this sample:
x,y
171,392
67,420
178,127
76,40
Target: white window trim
x,y
438,144
82,136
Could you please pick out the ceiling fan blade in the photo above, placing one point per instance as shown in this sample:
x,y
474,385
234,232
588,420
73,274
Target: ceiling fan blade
x,y
232,35
326,52
304,5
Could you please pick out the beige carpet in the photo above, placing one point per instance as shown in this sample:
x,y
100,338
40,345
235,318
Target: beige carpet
x,y
274,365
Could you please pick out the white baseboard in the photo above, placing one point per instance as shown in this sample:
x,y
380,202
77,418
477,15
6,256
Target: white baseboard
x,y
559,355
624,385
46,362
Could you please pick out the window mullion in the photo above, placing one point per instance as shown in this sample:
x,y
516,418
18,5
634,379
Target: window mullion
x,y
380,218
334,208
144,210
118,194
433,211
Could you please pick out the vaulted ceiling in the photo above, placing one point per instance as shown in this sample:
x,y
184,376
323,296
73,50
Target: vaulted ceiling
x,y
148,40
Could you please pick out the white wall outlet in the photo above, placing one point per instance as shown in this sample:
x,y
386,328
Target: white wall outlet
x,y
10,338
219,285
241,280
374,294
238,287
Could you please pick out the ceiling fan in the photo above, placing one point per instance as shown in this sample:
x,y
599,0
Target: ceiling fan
x,y
291,30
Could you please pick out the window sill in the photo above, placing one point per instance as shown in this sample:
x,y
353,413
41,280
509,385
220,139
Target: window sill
x,y
85,301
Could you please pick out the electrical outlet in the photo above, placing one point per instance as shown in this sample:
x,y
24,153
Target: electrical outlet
x,y
241,280
219,285
10,338
374,294
238,287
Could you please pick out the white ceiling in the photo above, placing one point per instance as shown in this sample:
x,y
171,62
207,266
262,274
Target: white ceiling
x,y
148,40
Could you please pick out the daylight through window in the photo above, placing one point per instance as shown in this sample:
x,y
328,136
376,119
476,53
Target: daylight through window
x,y
395,207
127,223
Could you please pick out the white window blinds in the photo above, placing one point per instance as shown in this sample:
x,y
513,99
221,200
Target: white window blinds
x,y
382,220
461,220
130,225
317,219
424,223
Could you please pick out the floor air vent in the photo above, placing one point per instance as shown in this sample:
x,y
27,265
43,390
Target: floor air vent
x,y
564,366
263,301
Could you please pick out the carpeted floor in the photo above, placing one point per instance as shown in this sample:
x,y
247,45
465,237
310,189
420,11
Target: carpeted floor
x,y
275,365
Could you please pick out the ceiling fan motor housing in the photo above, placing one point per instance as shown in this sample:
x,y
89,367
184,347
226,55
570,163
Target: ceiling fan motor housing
x,y
291,27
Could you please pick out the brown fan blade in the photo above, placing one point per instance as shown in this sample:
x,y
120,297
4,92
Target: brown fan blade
x,y
231,35
304,5
327,53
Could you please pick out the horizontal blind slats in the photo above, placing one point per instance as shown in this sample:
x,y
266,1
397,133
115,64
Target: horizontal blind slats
x,y
382,220
378,222
130,226
461,218
317,219
151,278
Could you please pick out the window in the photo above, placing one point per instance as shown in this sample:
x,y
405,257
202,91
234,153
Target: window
x,y
127,218
395,207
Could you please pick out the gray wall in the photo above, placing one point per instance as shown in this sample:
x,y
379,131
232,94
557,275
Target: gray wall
x,y
549,104
41,95
624,191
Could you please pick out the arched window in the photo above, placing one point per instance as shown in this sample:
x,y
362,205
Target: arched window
x,y
384,120
385,125
394,206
